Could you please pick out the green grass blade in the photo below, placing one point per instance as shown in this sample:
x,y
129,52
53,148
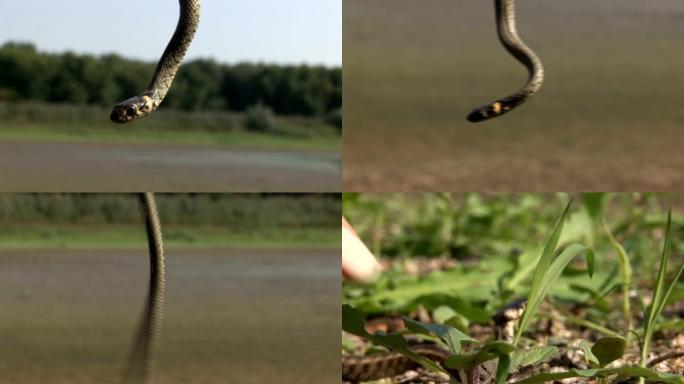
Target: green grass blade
x,y
535,297
626,272
659,294
502,369
606,372
551,273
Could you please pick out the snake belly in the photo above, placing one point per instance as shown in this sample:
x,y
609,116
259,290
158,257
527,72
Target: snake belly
x,y
508,35
140,106
142,357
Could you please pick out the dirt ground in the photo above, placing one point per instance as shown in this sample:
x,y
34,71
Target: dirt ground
x,y
241,316
98,167
607,117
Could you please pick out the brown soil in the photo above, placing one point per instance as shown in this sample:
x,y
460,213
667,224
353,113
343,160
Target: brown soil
x,y
98,167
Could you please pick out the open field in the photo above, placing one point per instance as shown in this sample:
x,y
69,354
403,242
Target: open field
x,y
83,166
232,315
87,123
607,117
126,237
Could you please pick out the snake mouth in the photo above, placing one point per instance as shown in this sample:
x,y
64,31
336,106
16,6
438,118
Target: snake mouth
x,y
132,109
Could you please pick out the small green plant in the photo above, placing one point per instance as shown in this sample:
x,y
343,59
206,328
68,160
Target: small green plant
x,y
626,276
660,294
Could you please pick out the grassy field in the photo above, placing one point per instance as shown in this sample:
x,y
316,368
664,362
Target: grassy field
x,y
86,123
123,237
605,119
243,316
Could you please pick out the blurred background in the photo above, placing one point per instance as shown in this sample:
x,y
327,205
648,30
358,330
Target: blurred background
x,y
258,98
475,250
252,287
605,119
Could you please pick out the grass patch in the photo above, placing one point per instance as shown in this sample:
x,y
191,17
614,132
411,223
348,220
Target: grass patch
x,y
33,121
73,237
457,261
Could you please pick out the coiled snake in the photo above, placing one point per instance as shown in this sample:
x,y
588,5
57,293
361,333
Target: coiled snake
x,y
140,106
506,28
142,357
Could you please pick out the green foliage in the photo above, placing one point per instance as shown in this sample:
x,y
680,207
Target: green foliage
x,y
609,349
624,372
259,118
549,267
626,274
661,293
334,118
489,272
353,322
239,212
29,75
532,356
450,335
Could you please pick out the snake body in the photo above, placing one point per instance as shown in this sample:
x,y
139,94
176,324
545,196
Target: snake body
x,y
142,357
508,34
140,106
357,369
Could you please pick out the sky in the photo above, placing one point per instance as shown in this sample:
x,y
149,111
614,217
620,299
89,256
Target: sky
x,y
273,31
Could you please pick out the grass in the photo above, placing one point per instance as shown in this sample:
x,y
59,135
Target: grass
x,y
493,225
89,123
94,237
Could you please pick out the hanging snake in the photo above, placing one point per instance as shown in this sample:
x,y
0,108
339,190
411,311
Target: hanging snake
x,y
505,23
140,106
142,356
356,369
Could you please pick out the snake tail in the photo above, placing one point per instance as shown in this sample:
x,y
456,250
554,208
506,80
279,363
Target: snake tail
x,y
142,357
508,35
140,106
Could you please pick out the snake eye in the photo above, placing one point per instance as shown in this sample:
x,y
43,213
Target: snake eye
x,y
132,110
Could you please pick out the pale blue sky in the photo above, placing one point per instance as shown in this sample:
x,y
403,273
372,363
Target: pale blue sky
x,y
274,31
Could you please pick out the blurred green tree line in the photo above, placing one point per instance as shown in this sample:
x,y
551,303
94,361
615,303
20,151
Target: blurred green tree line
x,y
239,211
29,75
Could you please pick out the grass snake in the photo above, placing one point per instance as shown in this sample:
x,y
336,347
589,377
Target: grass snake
x,y
140,106
508,34
142,356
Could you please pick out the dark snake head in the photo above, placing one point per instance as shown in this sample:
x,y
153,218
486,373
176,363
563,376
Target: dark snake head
x,y
133,109
485,112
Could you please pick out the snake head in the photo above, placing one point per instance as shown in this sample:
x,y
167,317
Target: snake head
x,y
133,109
485,112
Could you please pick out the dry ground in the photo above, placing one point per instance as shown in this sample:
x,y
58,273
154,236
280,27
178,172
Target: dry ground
x,y
609,116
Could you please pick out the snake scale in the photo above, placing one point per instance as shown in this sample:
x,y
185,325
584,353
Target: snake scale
x,y
356,369
142,357
140,106
508,34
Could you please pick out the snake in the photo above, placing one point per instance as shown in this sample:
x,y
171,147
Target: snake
x,y
142,357
356,369
167,67
508,35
